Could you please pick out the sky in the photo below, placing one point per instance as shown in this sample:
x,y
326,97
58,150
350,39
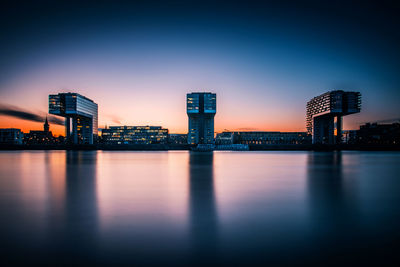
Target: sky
x,y
137,60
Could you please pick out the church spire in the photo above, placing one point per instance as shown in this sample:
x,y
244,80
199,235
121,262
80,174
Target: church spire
x,y
46,126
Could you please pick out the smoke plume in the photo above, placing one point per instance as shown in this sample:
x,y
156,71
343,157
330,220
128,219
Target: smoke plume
x,y
19,113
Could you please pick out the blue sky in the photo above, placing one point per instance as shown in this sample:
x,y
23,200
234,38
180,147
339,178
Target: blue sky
x,y
264,61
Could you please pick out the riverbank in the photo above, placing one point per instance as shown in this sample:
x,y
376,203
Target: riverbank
x,y
164,147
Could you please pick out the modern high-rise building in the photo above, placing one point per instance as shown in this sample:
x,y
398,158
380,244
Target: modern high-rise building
x,y
80,113
201,109
325,112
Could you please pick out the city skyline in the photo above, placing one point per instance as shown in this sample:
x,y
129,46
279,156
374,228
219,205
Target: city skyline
x,y
34,121
264,61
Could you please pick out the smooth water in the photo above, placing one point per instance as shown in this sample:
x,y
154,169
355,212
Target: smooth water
x,y
96,207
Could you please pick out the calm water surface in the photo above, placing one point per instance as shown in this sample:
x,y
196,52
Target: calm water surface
x,y
183,208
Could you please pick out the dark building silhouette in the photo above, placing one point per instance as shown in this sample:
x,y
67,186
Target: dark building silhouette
x,y
11,136
379,134
201,109
325,112
350,137
46,126
40,137
79,111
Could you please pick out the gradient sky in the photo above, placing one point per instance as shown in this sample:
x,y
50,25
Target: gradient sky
x,y
138,60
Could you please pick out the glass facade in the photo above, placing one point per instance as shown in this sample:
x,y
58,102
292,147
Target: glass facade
x,y
201,109
193,103
272,138
210,103
80,111
135,135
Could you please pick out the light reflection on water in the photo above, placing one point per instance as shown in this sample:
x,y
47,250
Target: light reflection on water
x,y
181,207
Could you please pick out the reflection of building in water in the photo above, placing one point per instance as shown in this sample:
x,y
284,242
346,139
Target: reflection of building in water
x,y
333,214
81,213
72,211
203,213
81,199
325,181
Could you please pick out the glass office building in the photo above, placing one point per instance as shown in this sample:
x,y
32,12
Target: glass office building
x,y
325,112
118,135
81,115
201,109
263,138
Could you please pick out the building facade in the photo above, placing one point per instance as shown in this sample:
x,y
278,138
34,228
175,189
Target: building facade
x,y
177,139
325,112
225,138
118,135
81,115
263,138
11,136
201,109
350,136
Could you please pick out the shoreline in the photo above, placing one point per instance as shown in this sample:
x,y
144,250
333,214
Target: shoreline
x,y
162,147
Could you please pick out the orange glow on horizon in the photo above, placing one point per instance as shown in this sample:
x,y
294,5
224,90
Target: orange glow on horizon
x,y
26,126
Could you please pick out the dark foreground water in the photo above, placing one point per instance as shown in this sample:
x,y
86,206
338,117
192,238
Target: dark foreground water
x,y
184,208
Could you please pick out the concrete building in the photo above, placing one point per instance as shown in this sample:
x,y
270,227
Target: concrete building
x,y
81,116
325,112
11,136
118,135
201,109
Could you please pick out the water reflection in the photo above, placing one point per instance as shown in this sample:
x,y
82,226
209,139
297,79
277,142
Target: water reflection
x,y
332,206
161,208
75,239
202,205
325,185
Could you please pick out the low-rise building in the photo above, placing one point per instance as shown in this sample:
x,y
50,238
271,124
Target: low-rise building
x,y
177,139
273,138
117,135
263,138
225,138
379,134
44,137
350,136
11,136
